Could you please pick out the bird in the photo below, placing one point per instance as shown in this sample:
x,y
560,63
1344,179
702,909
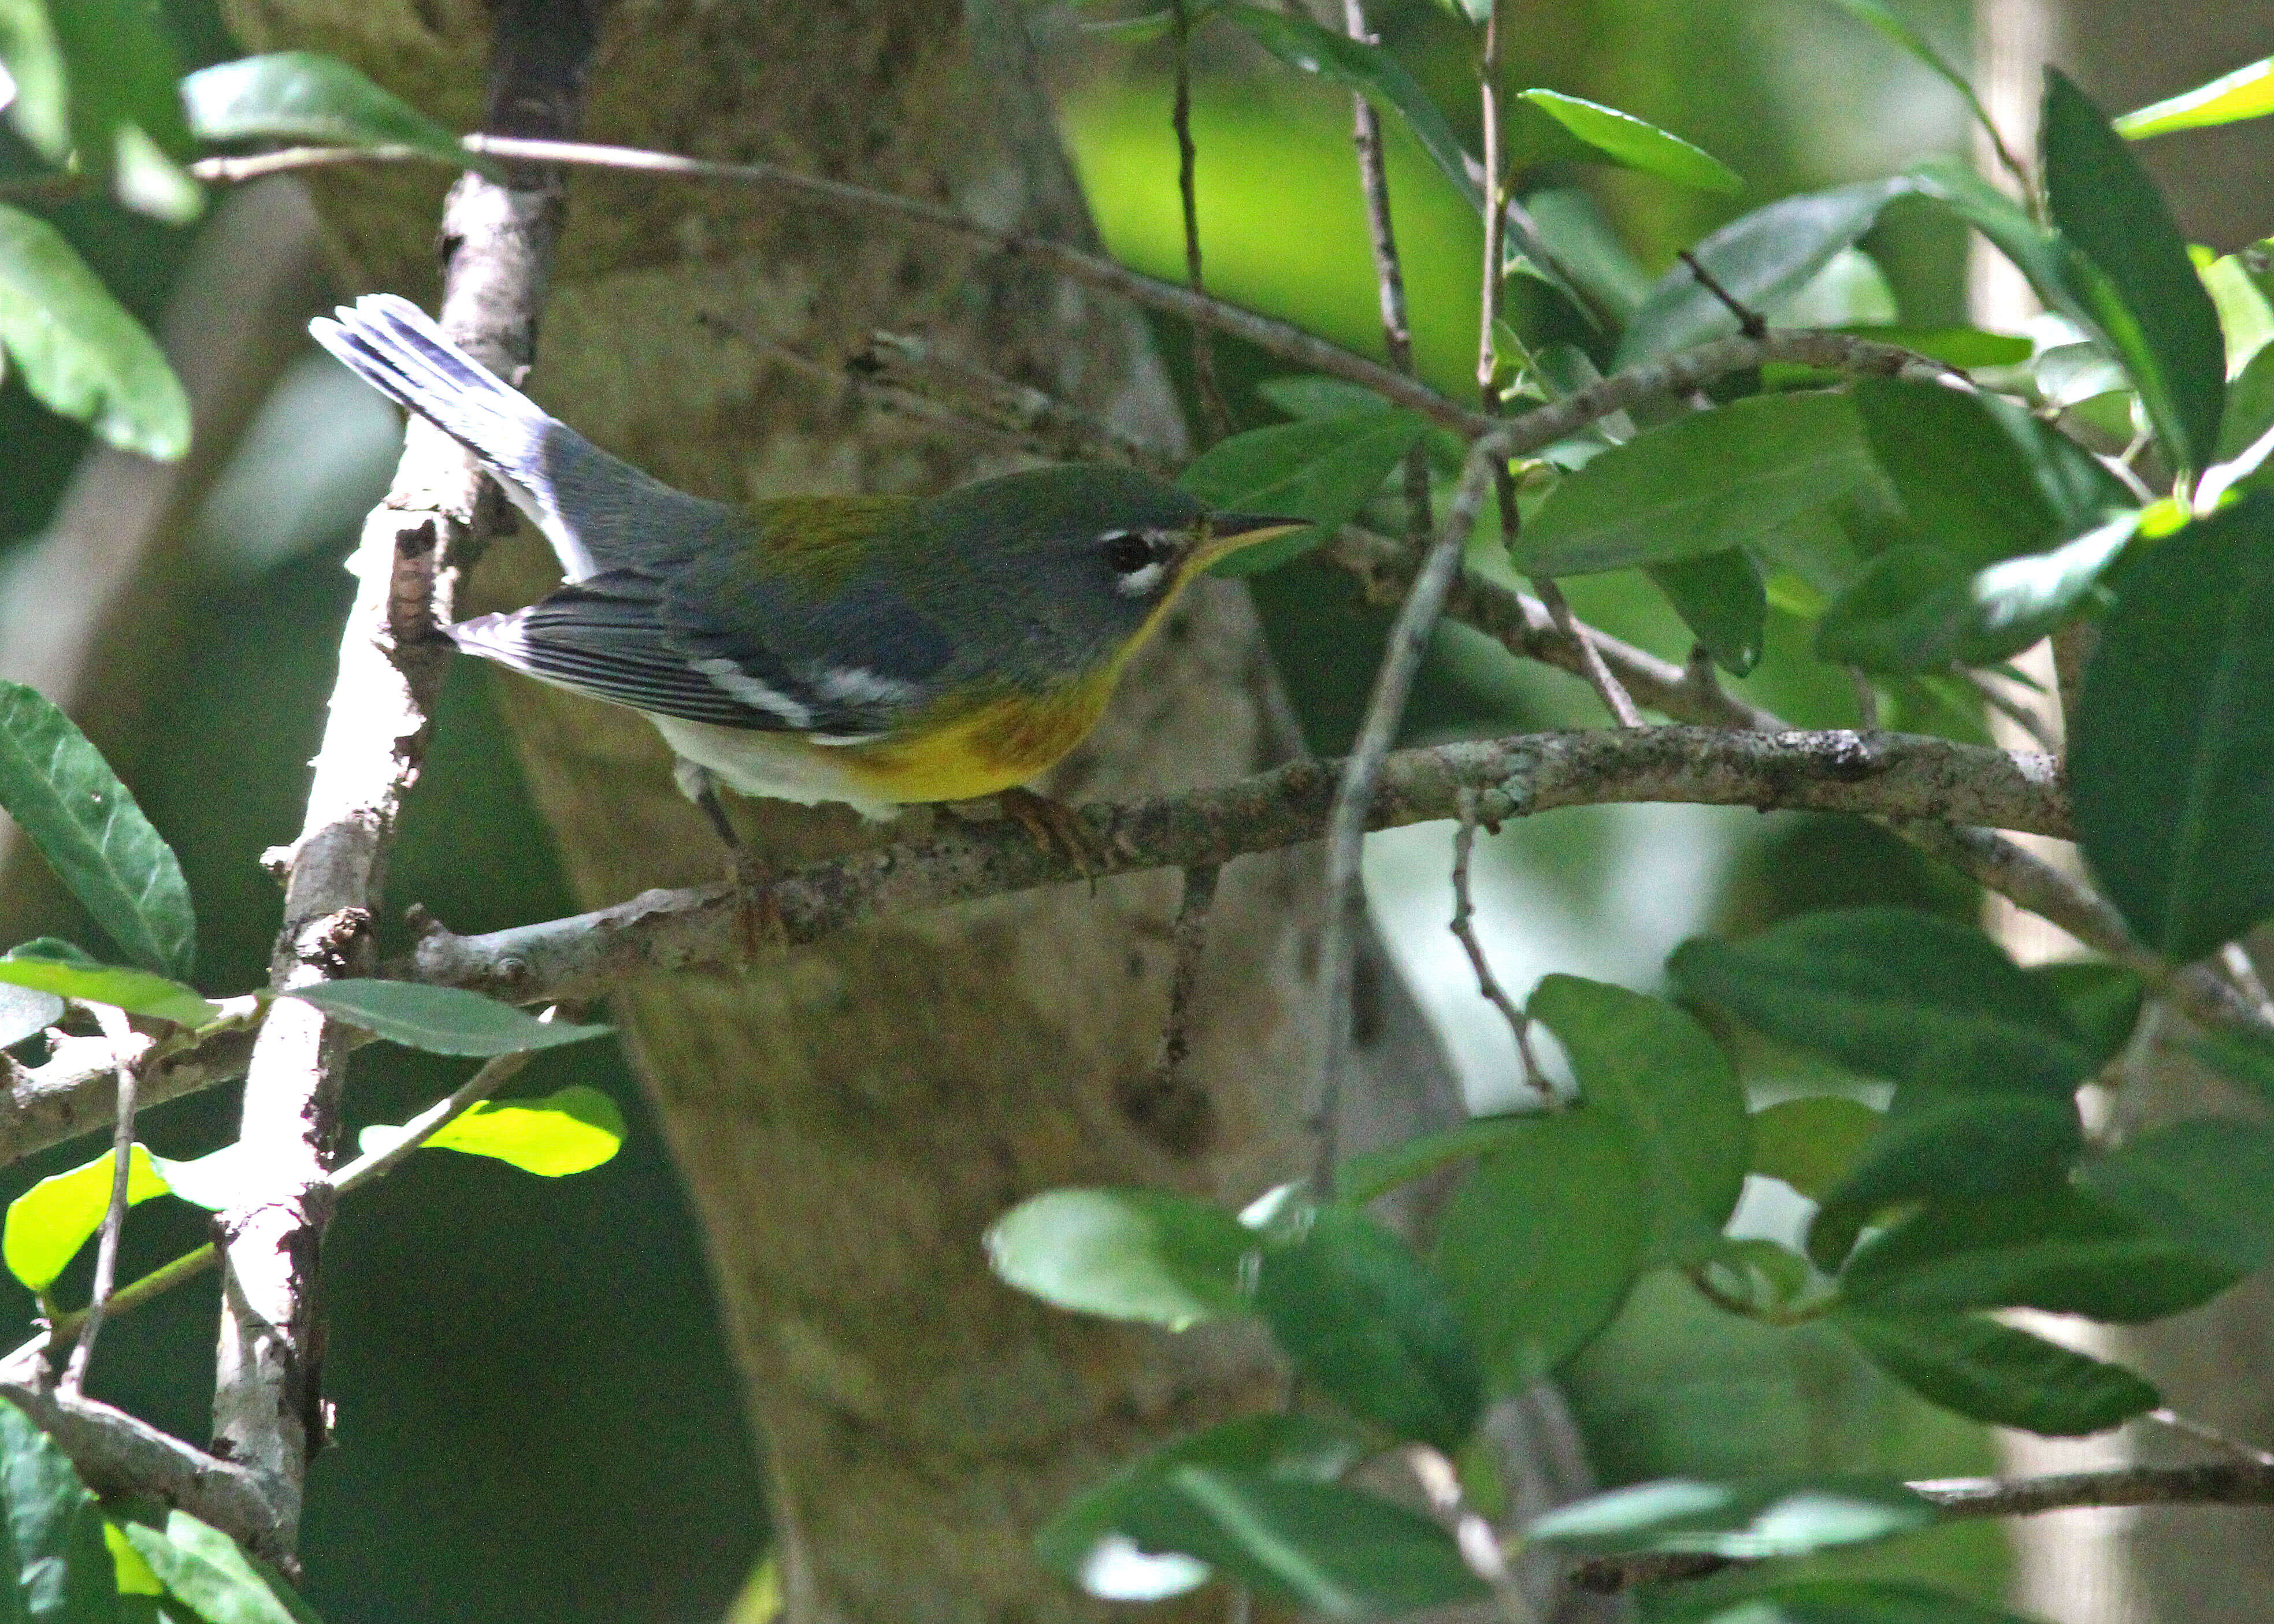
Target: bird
x,y
877,651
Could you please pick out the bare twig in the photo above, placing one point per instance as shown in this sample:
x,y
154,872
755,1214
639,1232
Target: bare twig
x,y
1389,271
1215,415
1166,1104
2023,717
1608,688
1749,321
1479,1545
115,1028
2211,1435
1464,932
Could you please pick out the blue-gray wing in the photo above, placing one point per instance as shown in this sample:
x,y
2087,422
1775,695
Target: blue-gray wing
x,y
842,673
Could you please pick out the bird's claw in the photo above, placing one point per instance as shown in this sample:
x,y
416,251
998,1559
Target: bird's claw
x,y
1059,830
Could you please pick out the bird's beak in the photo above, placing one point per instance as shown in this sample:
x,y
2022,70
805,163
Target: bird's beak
x,y
1228,533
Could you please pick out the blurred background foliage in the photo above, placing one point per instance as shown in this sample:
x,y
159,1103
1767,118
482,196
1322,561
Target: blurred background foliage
x,y
535,1417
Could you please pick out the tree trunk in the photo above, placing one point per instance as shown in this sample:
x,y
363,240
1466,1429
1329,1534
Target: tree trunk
x,y
849,1122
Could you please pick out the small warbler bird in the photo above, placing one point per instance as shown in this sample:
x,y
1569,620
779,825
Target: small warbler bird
x,y
876,651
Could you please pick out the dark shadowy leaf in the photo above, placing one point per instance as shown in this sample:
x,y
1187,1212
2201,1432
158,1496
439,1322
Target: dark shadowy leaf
x,y
2103,1001
57,1567
1721,598
2174,805
1993,1373
1323,469
2202,1183
1812,1143
1372,1173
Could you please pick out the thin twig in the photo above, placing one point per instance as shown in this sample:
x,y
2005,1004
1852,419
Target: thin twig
x,y
1353,804
1464,932
2234,958
1750,322
1388,270
1472,1536
1608,688
2025,717
2210,1434
1867,701
1167,1105
1215,415
121,1034
493,1076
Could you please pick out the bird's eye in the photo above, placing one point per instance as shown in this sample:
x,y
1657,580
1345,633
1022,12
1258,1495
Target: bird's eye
x,y
1127,551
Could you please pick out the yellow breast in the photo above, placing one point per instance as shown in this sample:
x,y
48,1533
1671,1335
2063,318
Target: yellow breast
x,y
981,748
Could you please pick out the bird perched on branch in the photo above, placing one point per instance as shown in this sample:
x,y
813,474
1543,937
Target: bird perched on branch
x,y
876,651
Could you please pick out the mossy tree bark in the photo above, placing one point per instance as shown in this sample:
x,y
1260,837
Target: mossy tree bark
x,y
849,1122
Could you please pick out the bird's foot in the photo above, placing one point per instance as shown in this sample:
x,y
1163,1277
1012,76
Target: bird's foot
x,y
765,932
1058,829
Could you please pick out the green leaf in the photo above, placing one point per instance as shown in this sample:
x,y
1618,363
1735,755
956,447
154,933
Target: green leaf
x,y
2103,1001
1585,243
1721,599
2249,414
1895,992
25,1012
1323,469
2038,255
59,1569
48,1223
1323,1547
2054,1249
137,992
1841,1601
121,105
2133,273
32,57
1126,1254
2175,806
1761,1278
2242,1055
1761,259
1812,1143
1977,475
1087,1543
304,96
2202,1184
1314,395
442,1021
78,351
1940,1146
1703,483
1540,1242
1750,1520
1373,1173
1684,1115
570,1131
2246,93
1992,1372
1917,609
1370,70
1358,1315
1966,348
202,1568
1636,144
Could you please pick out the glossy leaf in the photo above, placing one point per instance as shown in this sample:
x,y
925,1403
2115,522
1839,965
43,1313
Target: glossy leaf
x,y
1704,484
1993,1373
570,1132
2204,1185
1538,1245
1721,598
2133,274
137,992
1358,1314
203,1568
1812,1143
1370,70
1759,258
1945,1147
1636,143
78,350
1841,1601
304,96
2175,806
1126,1254
1895,992
1966,348
1750,1520
1087,1543
1327,1549
2053,1249
48,1223
2246,93
1684,1113
1918,609
55,1568
67,800
442,1021
1323,469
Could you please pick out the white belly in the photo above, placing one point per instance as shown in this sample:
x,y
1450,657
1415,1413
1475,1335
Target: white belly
x,y
774,766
